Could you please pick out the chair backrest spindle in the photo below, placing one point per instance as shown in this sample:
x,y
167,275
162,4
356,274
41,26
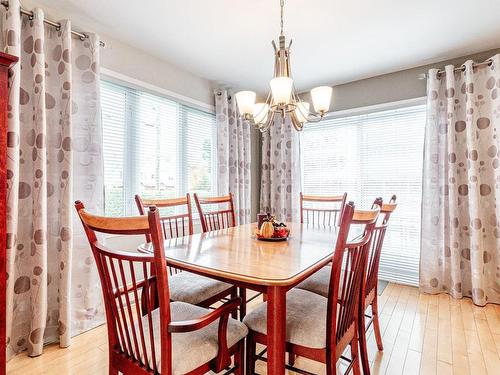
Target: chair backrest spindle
x,y
386,209
321,210
218,218
172,225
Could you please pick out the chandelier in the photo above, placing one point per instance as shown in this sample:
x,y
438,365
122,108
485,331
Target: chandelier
x,y
283,99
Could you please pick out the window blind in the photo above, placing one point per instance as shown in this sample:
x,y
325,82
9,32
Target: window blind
x,y
368,156
154,147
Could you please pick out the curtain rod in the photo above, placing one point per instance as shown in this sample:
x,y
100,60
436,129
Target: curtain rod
x,y
461,68
219,93
57,25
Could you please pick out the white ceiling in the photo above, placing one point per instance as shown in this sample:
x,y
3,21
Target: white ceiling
x,y
334,41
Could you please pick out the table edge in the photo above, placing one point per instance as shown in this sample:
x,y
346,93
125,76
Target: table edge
x,y
208,271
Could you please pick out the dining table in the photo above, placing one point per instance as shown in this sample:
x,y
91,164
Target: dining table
x,y
235,256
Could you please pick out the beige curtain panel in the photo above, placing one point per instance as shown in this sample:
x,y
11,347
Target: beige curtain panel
x,y
54,156
233,154
460,252
281,179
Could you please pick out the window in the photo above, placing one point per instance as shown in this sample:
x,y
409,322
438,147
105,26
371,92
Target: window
x,y
154,147
372,155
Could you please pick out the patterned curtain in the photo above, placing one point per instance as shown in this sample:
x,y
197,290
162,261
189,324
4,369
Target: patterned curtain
x,y
54,156
460,214
281,178
233,154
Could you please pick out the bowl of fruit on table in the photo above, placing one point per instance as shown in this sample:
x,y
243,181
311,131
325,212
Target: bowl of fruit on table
x,y
272,230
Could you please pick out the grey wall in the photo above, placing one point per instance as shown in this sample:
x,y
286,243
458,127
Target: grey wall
x,y
127,60
392,87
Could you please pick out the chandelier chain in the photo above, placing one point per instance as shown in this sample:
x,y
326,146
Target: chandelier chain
x,y
282,4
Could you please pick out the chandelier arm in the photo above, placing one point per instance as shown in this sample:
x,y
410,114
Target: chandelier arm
x,y
294,93
268,124
299,100
296,123
311,116
262,125
268,99
306,115
315,117
260,112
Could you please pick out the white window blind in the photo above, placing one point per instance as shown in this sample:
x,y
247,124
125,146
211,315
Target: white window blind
x,y
368,156
154,147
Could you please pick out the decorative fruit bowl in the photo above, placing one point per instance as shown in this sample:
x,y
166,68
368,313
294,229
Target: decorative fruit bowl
x,y
272,230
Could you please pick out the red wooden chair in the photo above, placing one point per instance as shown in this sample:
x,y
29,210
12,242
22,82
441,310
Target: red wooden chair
x,y
321,210
175,225
174,338
371,287
322,328
319,282
185,286
212,215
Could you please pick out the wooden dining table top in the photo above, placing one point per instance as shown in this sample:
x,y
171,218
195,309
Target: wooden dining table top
x,y
235,254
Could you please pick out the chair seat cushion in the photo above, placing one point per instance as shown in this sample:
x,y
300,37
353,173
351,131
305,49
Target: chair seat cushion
x,y
190,349
318,282
305,319
192,288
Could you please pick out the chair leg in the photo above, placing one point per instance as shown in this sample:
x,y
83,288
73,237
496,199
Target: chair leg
x,y
376,325
234,294
250,357
239,359
243,307
362,344
356,370
331,364
291,358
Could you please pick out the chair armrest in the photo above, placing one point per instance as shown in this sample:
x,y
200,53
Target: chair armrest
x,y
149,296
223,359
196,324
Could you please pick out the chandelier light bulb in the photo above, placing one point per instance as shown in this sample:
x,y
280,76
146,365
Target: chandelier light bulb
x,y
321,97
245,101
281,87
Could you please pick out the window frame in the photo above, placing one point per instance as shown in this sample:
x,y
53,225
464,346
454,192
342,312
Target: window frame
x,y
191,104
372,109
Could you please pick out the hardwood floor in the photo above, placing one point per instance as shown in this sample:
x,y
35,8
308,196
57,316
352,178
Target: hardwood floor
x,y
422,334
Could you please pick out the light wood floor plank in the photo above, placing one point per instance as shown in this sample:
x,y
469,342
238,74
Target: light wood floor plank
x,y
475,355
412,363
428,361
398,355
444,339
444,368
422,334
493,318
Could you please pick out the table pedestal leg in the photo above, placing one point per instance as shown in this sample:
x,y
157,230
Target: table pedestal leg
x,y
276,330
